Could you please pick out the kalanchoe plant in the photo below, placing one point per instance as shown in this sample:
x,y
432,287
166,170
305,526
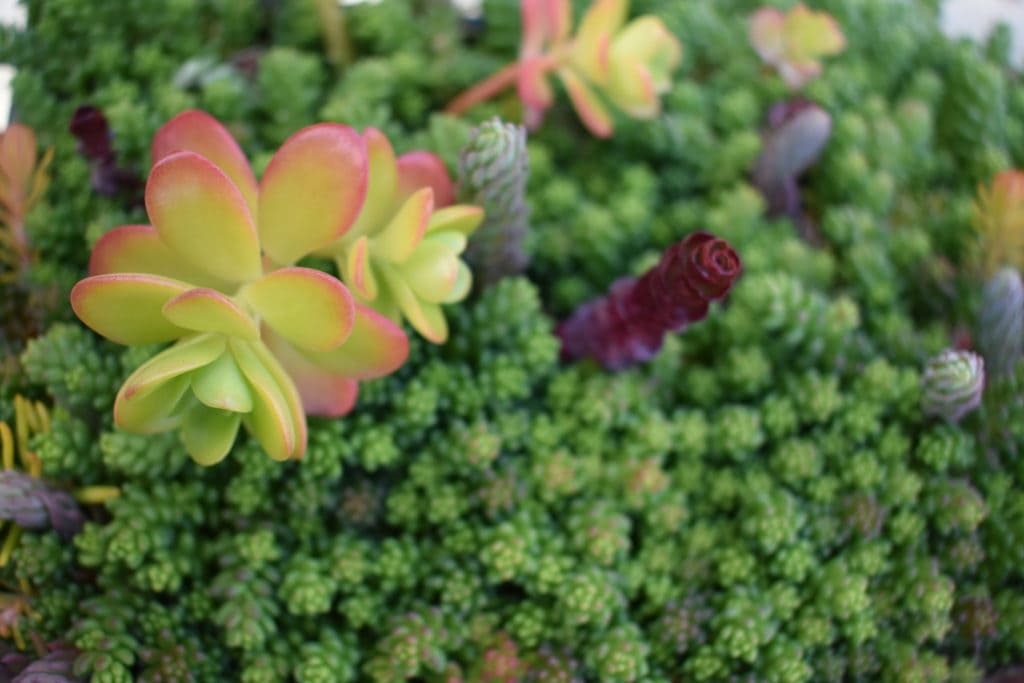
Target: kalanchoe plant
x,y
493,170
628,325
630,65
95,143
793,42
259,342
999,222
794,140
1001,323
952,384
23,179
401,255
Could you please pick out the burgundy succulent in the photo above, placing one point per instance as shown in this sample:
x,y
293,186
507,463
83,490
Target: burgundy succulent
x,y
628,325
91,130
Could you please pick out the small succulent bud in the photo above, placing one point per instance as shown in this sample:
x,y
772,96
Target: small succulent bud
x,y
493,169
952,384
798,132
1001,324
31,504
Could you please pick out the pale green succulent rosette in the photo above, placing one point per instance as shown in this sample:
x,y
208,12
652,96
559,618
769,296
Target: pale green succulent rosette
x,y
402,255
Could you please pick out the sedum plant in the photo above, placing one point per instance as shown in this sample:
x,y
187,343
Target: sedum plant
x,y
401,255
793,42
258,341
607,60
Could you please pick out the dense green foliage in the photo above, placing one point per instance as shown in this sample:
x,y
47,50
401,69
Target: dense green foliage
x,y
765,501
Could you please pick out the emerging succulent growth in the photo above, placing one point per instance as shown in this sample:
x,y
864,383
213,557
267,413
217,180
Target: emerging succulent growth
x,y
629,64
793,42
23,180
999,221
1001,324
91,130
797,133
628,325
952,384
213,272
493,170
401,255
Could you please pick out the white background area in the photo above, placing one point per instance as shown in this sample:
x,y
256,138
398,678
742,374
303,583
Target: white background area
x,y
973,18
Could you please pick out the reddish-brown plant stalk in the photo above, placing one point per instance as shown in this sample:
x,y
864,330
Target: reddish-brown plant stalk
x,y
628,325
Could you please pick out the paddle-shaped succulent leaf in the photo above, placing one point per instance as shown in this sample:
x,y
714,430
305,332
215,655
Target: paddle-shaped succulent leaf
x,y
607,60
214,274
796,136
793,42
402,255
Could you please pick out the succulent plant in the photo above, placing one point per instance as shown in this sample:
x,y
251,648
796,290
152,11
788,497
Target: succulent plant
x,y
629,64
259,342
1001,323
493,170
794,41
23,179
401,255
999,222
628,325
95,143
952,384
797,134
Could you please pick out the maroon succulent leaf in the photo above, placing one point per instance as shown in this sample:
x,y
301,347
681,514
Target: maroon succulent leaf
x,y
91,130
629,324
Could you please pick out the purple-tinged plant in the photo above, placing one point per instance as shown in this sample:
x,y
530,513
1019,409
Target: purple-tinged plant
x,y
794,140
401,255
628,325
630,65
259,342
793,42
1001,323
95,143
952,384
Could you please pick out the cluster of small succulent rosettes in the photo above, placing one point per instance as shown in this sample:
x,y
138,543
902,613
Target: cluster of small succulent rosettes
x,y
628,325
794,41
259,341
952,384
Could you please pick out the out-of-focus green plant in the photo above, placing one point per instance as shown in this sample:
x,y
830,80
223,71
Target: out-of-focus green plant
x,y
630,65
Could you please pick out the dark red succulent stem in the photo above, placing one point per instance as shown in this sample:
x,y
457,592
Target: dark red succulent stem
x,y
628,325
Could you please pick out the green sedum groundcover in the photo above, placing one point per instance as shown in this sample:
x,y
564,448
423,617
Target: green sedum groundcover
x,y
766,500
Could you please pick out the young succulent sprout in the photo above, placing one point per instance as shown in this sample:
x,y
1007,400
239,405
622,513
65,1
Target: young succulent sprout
x,y
797,134
23,180
629,65
952,384
628,325
259,342
401,256
999,222
1001,322
794,42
